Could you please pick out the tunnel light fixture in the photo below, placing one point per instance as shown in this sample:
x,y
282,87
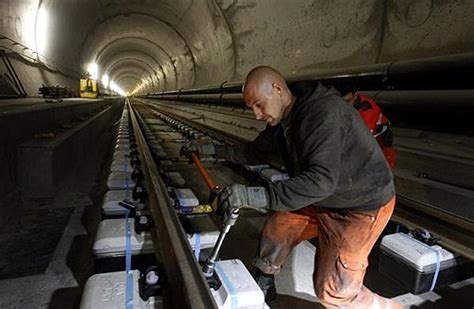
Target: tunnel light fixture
x,y
41,31
105,80
93,70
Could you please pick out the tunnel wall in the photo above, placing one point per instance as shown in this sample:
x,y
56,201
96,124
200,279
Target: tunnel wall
x,y
303,37
208,42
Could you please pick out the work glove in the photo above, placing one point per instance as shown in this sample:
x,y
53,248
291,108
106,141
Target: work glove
x,y
239,196
202,148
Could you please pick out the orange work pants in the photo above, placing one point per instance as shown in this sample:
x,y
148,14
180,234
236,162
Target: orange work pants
x,y
345,239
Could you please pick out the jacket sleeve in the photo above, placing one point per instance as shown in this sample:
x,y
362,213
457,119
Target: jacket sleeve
x,y
258,151
320,140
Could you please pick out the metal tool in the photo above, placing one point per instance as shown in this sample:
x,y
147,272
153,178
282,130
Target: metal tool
x,y
229,221
229,217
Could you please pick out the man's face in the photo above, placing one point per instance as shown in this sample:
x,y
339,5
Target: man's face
x,y
266,104
349,97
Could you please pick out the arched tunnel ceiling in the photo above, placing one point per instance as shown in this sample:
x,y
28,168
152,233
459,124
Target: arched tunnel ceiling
x,y
129,80
125,46
199,43
131,65
134,57
151,29
189,53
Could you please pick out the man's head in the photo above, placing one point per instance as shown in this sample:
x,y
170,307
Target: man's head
x,y
347,91
266,93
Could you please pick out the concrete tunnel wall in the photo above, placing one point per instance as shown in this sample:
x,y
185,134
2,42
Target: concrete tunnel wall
x,y
172,44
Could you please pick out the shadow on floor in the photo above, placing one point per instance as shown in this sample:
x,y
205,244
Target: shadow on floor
x,y
67,298
28,241
461,298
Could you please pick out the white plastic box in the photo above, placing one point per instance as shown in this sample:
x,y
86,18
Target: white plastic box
x,y
186,197
108,291
238,289
120,181
414,263
112,198
110,239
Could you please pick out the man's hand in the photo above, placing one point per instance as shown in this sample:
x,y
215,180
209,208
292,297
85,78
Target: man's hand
x,y
202,148
240,196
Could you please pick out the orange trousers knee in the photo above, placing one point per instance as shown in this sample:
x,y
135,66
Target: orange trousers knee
x,y
345,239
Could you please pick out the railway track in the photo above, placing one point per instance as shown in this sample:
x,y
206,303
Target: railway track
x,y
149,140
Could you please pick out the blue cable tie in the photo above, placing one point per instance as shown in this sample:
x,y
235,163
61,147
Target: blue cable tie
x,y
128,262
438,261
197,245
438,268
229,285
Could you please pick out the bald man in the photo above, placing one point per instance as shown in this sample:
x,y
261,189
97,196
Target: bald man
x,y
340,188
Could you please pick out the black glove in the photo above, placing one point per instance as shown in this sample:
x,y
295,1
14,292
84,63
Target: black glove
x,y
240,196
203,148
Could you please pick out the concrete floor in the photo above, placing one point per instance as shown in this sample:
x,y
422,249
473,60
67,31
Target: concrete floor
x,y
30,104
70,262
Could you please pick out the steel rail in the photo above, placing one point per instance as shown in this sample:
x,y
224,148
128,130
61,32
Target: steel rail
x,y
415,215
187,285
219,134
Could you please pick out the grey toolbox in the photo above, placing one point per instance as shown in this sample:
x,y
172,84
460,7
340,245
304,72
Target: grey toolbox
x,y
415,264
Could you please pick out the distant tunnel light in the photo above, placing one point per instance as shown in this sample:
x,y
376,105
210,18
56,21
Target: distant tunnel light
x,y
117,89
41,31
105,80
93,70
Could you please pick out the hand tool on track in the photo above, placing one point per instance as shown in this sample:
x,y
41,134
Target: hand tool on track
x,y
229,218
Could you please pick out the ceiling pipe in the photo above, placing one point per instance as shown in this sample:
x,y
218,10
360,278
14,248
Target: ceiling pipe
x,y
434,73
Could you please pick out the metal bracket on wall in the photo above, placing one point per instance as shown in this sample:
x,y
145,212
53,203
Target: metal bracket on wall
x,y
12,74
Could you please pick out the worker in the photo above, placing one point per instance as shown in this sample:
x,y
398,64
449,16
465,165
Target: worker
x,y
375,120
340,188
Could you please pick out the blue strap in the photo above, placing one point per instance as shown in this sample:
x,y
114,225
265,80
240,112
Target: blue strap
x,y
197,245
438,267
438,260
128,252
229,285
128,262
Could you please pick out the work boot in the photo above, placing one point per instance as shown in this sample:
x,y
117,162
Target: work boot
x,y
266,283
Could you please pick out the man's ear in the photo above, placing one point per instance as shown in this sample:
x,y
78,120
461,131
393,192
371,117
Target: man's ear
x,y
277,88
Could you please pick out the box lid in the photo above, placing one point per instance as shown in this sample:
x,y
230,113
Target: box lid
x,y
413,252
107,291
110,239
186,197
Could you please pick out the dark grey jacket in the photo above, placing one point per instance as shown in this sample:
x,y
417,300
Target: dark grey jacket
x,y
332,158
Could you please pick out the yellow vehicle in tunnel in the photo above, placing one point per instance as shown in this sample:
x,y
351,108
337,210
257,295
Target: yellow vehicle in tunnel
x,y
89,88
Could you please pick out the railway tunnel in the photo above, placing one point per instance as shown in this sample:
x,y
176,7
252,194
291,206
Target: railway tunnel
x,y
100,209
